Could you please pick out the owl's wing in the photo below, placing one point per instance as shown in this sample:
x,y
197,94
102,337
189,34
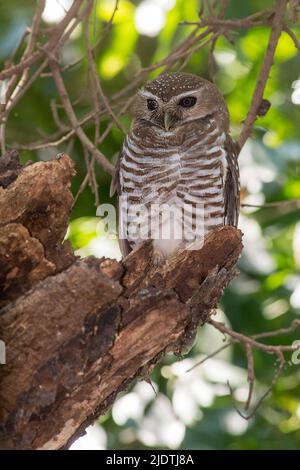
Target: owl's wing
x,y
115,181
232,185
115,187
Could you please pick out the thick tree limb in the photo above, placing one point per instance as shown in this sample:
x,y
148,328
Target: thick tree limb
x,y
81,334
35,204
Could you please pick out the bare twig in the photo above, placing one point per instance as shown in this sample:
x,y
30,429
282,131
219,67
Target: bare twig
x,y
292,36
57,34
41,58
28,51
62,91
294,10
277,27
281,331
277,374
268,348
251,376
209,356
250,343
286,202
96,81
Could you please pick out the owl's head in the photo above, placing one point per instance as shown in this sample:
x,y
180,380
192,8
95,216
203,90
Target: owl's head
x,y
172,100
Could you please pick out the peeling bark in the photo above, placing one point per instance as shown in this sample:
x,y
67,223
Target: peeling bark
x,y
35,204
78,332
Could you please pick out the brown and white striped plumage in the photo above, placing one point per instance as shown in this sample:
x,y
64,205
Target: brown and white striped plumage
x,y
177,154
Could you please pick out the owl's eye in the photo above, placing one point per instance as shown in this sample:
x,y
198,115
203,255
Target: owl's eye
x,y
187,101
152,104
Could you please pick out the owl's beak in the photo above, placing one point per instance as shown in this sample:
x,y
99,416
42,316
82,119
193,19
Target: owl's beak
x,y
168,120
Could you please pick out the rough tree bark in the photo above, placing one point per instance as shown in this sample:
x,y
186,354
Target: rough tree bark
x,y
77,332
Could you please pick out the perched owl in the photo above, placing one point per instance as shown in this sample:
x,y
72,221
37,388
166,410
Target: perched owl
x,y
177,155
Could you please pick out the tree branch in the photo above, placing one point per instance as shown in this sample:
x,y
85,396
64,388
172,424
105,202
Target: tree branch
x,y
277,27
62,91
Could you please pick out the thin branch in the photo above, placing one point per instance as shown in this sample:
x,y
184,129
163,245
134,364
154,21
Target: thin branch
x,y
25,83
211,355
106,165
277,374
96,81
17,46
224,5
211,59
105,31
227,24
281,331
28,51
38,56
269,334
285,202
277,26
268,348
171,59
250,343
251,375
294,10
292,36
56,35
247,22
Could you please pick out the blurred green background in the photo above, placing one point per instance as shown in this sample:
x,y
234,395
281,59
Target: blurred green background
x,y
191,410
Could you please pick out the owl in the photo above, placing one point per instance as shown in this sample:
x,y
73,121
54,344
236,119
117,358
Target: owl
x,y
178,156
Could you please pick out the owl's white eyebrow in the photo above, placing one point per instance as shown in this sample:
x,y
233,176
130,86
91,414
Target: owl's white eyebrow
x,y
148,94
186,93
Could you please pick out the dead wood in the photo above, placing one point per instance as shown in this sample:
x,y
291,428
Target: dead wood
x,y
77,332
